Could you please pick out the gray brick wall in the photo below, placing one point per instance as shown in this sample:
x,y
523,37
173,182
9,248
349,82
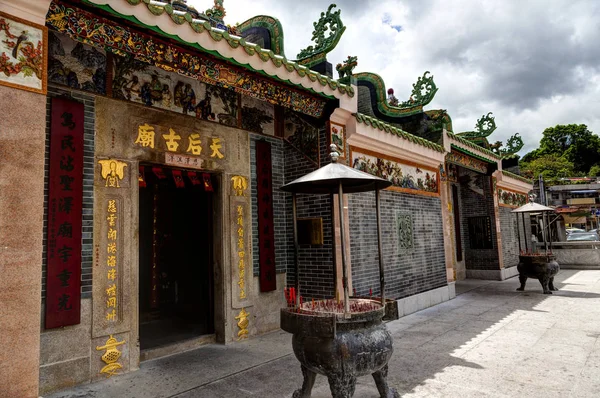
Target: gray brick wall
x,y
88,186
317,274
474,205
510,243
510,237
408,271
279,202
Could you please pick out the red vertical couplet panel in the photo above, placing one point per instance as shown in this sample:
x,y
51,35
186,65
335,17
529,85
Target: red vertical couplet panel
x,y
65,191
266,233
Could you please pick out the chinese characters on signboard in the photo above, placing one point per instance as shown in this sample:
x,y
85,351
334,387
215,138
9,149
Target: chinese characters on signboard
x,y
239,185
63,286
112,251
480,232
175,142
266,234
241,250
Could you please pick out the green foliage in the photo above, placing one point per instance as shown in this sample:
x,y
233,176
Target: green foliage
x,y
551,167
573,146
594,171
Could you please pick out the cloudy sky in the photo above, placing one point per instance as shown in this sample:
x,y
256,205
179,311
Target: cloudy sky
x,y
533,63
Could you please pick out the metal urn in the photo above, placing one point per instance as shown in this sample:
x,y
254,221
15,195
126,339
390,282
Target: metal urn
x,y
343,338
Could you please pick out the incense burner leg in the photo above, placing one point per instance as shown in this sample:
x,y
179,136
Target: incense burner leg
x,y
551,284
544,281
342,385
307,384
382,385
523,280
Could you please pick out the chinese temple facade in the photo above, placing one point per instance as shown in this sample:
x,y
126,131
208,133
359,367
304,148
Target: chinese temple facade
x,y
143,147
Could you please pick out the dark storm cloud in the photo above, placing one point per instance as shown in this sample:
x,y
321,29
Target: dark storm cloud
x,y
524,52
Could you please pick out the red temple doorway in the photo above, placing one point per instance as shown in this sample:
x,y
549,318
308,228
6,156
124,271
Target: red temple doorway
x,y
176,283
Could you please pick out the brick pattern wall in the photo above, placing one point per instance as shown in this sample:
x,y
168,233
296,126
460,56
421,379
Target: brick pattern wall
x,y
408,271
510,242
88,186
473,205
317,273
510,237
279,203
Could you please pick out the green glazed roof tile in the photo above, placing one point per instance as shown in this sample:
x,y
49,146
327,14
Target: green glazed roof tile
x,y
516,176
388,128
472,145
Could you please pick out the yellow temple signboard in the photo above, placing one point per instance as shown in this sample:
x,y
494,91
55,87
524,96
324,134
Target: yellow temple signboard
x,y
174,141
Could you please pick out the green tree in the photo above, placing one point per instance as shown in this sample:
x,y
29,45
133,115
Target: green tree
x,y
573,142
594,171
551,167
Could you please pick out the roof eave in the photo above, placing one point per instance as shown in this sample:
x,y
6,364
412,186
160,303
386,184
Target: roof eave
x,y
228,47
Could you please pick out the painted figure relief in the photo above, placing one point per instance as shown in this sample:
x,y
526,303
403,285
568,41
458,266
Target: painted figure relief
x,y
301,134
139,82
452,172
338,138
76,65
474,181
511,199
258,116
403,176
22,60
466,161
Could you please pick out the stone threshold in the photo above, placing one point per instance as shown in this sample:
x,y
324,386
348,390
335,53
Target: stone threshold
x,y
177,348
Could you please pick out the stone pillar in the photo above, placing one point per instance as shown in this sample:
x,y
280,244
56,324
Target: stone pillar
x,y
448,228
338,247
22,141
497,225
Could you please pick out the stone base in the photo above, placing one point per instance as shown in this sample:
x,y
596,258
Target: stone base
x,y
420,301
492,275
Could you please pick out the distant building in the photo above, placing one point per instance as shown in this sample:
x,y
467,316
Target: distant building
x,y
577,203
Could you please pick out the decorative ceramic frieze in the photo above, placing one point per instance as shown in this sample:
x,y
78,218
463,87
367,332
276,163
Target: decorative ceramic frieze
x,y
405,176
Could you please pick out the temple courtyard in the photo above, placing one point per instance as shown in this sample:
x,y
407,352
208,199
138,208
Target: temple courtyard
x,y
490,341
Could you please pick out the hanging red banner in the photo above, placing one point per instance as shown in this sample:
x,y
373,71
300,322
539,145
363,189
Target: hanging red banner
x,y
193,178
266,233
178,178
65,195
159,173
207,182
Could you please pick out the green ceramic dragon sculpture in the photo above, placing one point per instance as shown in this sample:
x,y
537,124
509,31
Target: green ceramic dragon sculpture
x,y
345,69
329,21
423,91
